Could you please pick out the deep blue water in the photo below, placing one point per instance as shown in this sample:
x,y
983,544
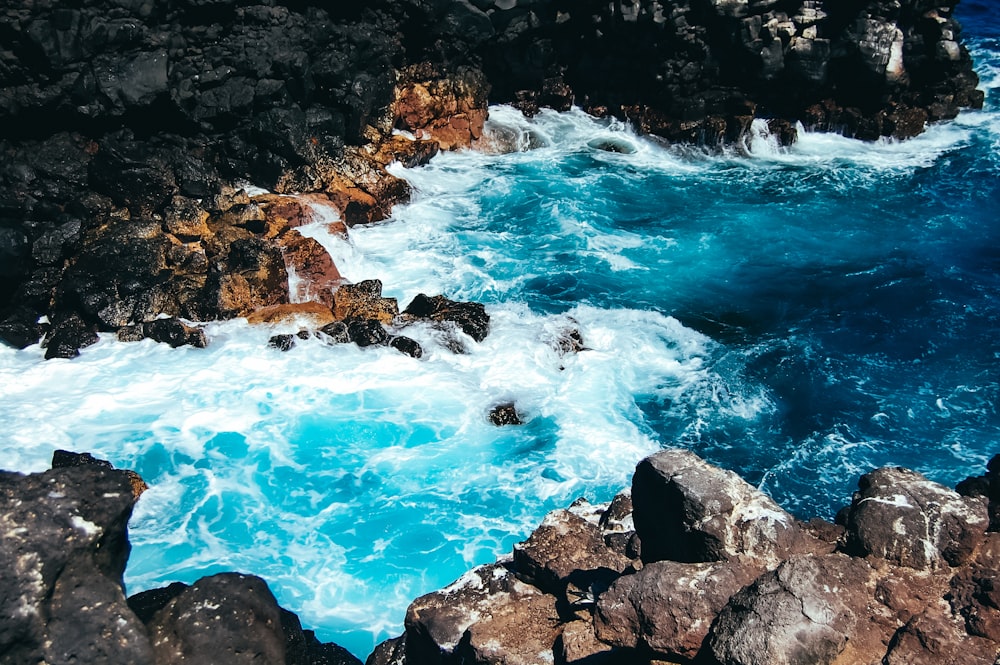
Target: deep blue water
x,y
799,315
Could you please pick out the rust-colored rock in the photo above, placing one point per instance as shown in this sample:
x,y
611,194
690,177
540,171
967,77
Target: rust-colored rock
x,y
364,301
308,314
449,108
316,276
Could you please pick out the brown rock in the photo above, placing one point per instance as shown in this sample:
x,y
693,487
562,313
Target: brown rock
x,y
687,510
578,645
364,301
307,314
934,638
521,632
225,619
900,516
449,108
470,317
438,622
567,548
667,606
310,263
975,591
806,611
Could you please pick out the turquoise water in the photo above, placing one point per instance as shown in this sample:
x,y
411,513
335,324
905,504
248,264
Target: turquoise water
x,y
798,315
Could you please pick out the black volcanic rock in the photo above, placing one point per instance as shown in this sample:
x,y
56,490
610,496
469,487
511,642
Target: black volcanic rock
x,y
470,317
116,116
64,547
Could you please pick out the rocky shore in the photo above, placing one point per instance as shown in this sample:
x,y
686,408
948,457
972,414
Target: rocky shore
x,y
134,134
691,565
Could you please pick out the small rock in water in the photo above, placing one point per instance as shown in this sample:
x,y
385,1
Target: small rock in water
x,y
336,332
406,345
281,342
505,414
367,332
615,145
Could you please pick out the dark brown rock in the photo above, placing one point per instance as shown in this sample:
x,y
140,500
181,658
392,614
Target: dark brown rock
x,y
437,623
470,317
807,611
505,414
900,516
931,638
64,544
226,619
567,548
687,510
668,607
407,346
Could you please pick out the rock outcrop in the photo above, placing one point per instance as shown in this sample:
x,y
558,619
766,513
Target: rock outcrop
x,y
64,547
726,577
128,128
576,590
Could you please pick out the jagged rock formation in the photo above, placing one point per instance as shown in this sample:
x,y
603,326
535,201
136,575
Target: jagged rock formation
x,y
715,572
128,127
64,547
701,70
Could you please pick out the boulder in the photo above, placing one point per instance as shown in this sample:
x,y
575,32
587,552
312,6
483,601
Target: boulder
x,y
364,301
175,332
974,592
564,549
470,317
67,336
522,632
900,516
516,619
668,607
226,619
687,510
64,545
932,637
808,610
406,346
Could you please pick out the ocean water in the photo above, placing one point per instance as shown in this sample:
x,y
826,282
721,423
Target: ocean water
x,y
798,315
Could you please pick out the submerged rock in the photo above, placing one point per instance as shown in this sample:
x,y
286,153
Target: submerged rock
x,y
505,414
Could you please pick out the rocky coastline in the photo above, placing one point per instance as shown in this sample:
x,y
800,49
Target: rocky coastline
x,y
689,565
135,134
